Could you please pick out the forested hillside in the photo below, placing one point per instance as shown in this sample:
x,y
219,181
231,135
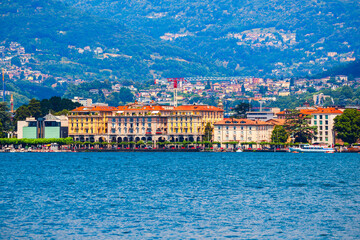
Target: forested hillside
x,y
70,43
274,37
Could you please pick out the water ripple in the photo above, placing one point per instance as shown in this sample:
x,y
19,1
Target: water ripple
x,y
179,196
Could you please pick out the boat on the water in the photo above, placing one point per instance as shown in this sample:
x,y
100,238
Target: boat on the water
x,y
311,149
239,150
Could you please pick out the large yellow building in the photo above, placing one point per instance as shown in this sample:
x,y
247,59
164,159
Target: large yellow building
x,y
188,122
136,122
89,123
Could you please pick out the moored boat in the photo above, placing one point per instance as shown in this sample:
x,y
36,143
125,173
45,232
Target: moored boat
x,y
311,149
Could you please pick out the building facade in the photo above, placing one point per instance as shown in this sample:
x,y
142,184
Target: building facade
x,y
90,123
136,122
323,120
49,126
242,130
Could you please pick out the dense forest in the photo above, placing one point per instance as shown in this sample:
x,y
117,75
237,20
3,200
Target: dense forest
x,y
205,27
55,31
148,39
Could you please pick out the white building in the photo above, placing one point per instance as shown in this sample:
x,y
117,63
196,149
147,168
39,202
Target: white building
x,y
242,130
86,102
323,119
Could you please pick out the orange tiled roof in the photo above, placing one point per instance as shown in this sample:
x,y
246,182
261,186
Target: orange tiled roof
x,y
328,111
276,121
315,111
241,121
94,108
142,108
198,108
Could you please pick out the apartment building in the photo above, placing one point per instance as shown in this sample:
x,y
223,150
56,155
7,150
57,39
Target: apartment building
x,y
135,122
90,123
242,130
323,119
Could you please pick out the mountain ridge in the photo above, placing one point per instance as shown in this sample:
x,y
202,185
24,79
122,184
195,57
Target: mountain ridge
x,y
321,27
55,33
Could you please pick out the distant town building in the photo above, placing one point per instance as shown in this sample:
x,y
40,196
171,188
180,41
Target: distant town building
x,y
87,102
319,99
261,115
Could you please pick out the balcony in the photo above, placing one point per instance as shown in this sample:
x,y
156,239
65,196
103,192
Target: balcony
x,y
158,133
147,133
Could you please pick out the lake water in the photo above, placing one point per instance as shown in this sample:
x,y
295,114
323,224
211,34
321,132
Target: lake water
x,y
179,195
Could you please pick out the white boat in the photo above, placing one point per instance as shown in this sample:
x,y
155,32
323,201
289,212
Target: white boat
x,y
311,149
239,150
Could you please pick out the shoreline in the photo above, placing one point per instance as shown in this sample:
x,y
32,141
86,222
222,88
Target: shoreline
x,y
150,150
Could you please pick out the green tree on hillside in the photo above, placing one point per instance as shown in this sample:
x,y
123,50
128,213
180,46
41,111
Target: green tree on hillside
x,y
347,126
119,98
22,113
34,108
16,61
241,109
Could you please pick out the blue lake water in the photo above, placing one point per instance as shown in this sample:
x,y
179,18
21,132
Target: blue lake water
x,y
179,195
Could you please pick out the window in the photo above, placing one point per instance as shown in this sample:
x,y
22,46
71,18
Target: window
x,y
320,122
320,133
326,128
326,116
219,127
315,122
320,128
315,116
149,119
326,139
326,122
320,116
234,128
326,133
